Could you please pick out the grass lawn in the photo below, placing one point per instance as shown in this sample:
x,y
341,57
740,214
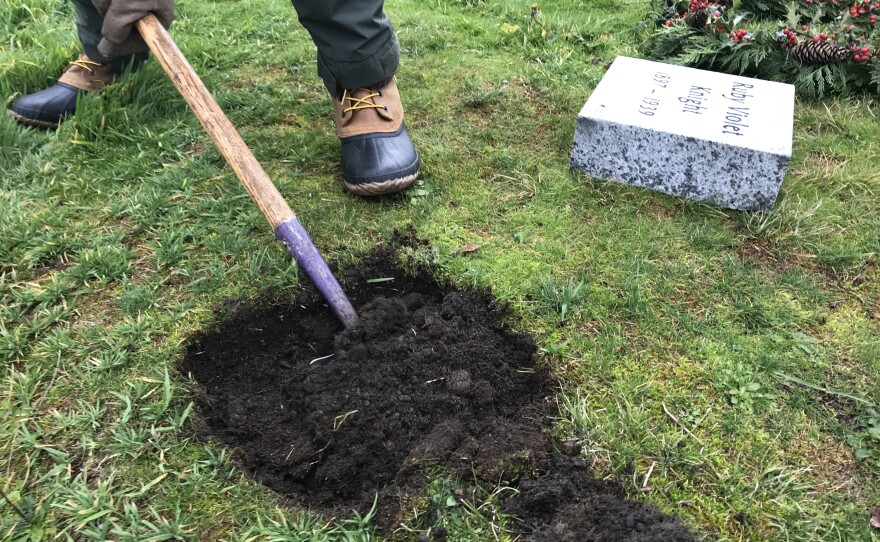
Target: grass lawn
x,y
723,365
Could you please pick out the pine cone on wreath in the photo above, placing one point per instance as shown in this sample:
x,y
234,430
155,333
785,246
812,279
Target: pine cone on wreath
x,y
697,19
819,52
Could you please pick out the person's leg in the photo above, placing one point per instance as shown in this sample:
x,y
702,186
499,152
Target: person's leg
x,y
356,44
358,55
90,72
88,26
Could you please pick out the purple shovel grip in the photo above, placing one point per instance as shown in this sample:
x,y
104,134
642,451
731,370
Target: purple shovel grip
x,y
306,254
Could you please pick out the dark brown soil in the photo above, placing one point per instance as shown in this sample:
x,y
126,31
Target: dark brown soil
x,y
330,418
567,504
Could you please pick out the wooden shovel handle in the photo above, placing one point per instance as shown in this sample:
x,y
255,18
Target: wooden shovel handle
x,y
224,134
285,225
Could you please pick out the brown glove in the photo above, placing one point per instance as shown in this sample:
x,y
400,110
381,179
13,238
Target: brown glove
x,y
120,36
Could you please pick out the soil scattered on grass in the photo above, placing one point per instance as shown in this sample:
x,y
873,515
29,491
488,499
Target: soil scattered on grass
x,y
331,418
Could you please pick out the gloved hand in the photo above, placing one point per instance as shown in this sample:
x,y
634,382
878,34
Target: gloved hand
x,y
120,36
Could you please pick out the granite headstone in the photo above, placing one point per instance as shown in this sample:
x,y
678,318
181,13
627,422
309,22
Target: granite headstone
x,y
703,135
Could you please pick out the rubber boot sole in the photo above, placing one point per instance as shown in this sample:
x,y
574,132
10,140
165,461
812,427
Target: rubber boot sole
x,y
31,122
385,187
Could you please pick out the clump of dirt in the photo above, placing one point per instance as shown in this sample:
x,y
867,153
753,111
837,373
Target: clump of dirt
x,y
567,504
329,418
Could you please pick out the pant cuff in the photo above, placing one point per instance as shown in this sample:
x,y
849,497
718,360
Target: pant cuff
x,y
339,75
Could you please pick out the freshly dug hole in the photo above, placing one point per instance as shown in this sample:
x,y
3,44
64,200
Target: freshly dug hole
x,y
331,418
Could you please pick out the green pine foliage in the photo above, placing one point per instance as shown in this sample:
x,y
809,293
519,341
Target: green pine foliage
x,y
757,38
765,9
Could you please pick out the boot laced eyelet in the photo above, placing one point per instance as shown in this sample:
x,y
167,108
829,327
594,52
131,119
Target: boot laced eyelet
x,y
87,65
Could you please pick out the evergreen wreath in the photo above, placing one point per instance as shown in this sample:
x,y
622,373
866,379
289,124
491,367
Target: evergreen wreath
x,y
820,46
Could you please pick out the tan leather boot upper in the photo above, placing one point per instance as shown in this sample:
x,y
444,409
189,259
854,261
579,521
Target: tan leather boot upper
x,y
368,110
88,75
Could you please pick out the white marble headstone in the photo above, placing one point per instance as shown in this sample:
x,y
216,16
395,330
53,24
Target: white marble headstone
x,y
703,135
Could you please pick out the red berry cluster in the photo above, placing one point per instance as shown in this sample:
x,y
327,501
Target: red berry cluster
x,y
862,54
739,35
865,7
790,35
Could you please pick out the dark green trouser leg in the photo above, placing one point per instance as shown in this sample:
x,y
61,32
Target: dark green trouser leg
x,y
356,45
88,25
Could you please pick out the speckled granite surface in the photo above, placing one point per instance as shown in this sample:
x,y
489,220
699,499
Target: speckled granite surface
x,y
700,135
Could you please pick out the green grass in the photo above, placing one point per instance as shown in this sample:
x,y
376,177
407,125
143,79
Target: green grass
x,y
733,356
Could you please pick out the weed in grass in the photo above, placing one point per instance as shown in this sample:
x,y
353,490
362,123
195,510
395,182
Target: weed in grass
x,y
13,341
633,302
105,510
866,441
476,95
555,348
136,298
169,248
219,462
744,386
89,414
135,331
455,511
745,394
282,528
104,264
473,275
127,440
33,527
133,527
563,297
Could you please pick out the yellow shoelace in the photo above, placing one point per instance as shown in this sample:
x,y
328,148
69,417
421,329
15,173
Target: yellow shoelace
x,y
84,64
361,103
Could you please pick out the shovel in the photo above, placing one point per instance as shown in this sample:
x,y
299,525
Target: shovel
x,y
237,154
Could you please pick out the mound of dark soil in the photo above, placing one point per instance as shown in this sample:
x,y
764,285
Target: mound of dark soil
x,y
567,504
331,418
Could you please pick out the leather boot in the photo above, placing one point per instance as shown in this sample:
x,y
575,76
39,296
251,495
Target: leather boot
x,y
49,106
378,156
